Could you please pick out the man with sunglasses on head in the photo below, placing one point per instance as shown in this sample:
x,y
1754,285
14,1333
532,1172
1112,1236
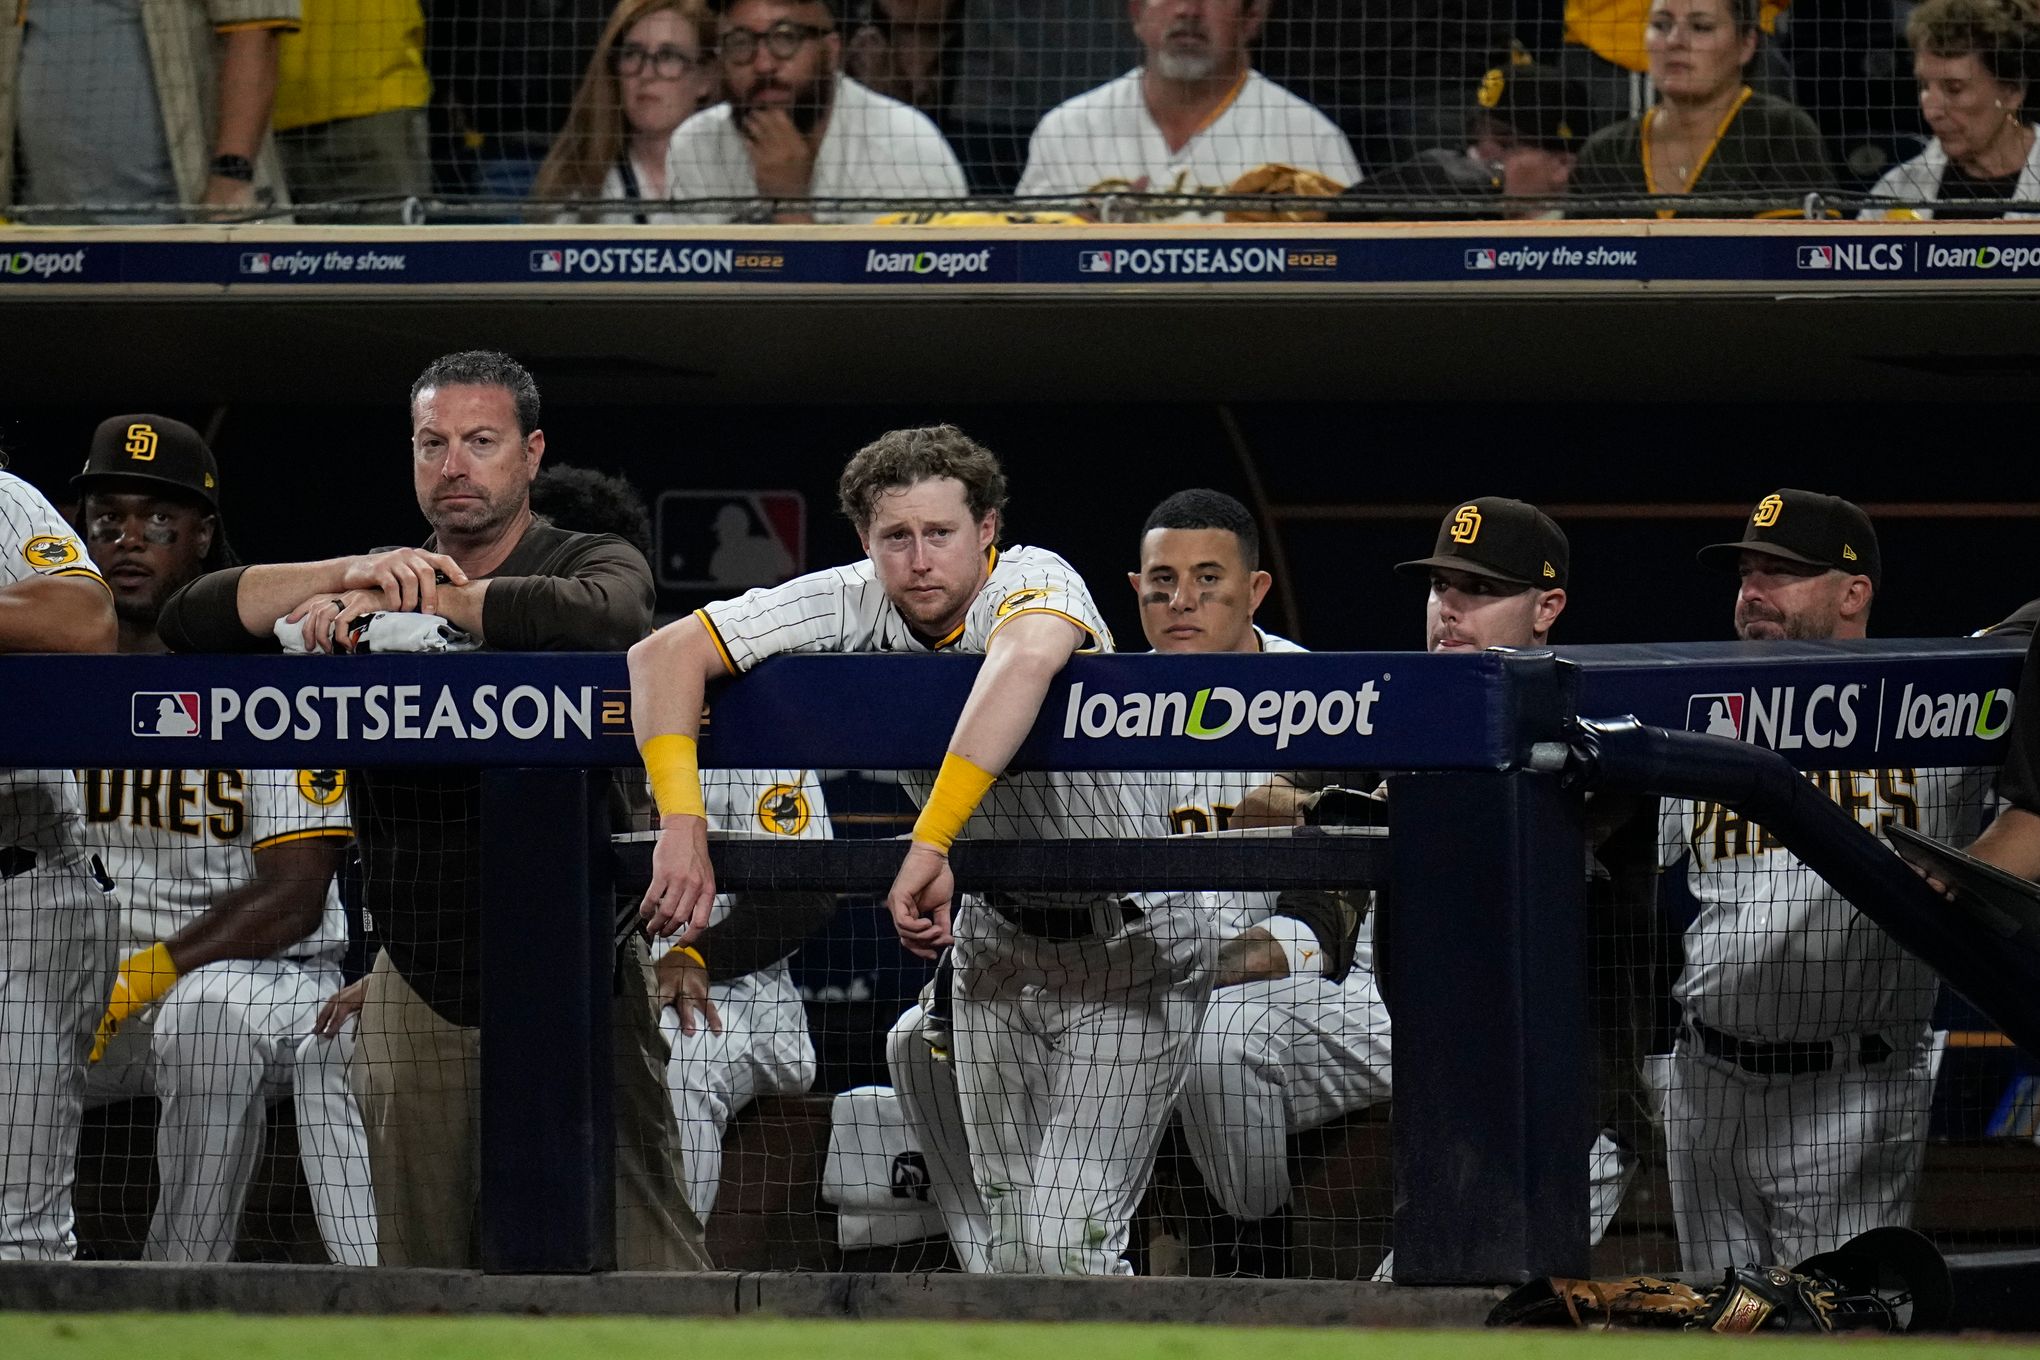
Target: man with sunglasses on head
x,y
795,128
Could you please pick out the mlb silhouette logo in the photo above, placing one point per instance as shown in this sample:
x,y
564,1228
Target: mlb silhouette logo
x,y
164,713
722,542
1094,262
548,262
255,262
1718,715
1482,259
1816,257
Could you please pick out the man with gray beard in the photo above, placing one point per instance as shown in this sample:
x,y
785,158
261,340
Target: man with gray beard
x,y
1194,117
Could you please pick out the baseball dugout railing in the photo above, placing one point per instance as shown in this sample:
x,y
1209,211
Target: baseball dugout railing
x,y
1494,994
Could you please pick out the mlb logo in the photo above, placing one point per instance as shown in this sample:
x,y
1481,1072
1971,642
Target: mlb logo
x,y
255,262
1718,715
1482,259
1094,262
1816,257
163,713
548,262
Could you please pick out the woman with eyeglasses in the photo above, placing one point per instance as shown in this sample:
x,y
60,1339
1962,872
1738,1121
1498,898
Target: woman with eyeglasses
x,y
1974,61
1709,133
649,74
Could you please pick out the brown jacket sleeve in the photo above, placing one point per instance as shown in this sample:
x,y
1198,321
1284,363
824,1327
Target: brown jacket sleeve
x,y
597,596
205,616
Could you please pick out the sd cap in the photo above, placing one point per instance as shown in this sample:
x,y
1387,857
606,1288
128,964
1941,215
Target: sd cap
x,y
151,450
1536,104
1501,539
1806,527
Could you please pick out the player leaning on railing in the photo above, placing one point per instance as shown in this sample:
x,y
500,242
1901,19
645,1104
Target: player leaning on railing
x,y
1074,1011
56,943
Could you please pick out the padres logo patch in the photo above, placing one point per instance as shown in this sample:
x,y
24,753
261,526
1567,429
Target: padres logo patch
x,y
1767,512
1020,599
783,810
141,442
323,787
50,550
1465,525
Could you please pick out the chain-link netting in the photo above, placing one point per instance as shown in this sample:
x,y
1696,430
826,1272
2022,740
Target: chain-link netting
x,y
755,111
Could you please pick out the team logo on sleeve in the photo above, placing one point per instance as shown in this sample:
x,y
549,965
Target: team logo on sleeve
x,y
1020,599
46,552
783,810
323,787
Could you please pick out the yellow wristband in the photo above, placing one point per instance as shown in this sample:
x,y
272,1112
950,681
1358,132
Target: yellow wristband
x,y
144,979
691,952
676,780
959,788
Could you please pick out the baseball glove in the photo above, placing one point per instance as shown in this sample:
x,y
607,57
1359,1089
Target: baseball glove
x,y
1276,178
1334,917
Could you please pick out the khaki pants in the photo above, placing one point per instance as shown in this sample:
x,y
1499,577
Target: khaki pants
x,y
418,1079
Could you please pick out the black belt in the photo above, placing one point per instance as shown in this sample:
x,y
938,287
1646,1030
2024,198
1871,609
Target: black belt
x,y
15,861
1060,924
1790,1059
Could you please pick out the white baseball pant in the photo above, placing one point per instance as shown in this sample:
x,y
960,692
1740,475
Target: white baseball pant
x,y
764,1049
1070,1056
926,1086
57,959
1770,1170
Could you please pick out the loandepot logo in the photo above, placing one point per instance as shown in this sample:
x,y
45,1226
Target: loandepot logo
x,y
44,264
1984,259
948,263
1219,710
1985,715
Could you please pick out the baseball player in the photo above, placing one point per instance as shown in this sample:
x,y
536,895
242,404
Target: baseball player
x,y
1796,1114
56,941
232,917
1074,1011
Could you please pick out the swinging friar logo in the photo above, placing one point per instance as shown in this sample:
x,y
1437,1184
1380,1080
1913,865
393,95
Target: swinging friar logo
x,y
1847,716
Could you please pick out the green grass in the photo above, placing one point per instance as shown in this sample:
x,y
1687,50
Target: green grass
x,y
215,1336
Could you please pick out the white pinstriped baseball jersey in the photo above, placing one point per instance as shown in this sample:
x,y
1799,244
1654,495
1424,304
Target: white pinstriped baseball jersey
x,y
1775,953
845,609
175,840
38,808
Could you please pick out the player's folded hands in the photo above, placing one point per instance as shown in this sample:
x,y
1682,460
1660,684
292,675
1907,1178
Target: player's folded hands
x,y
683,881
408,577
332,623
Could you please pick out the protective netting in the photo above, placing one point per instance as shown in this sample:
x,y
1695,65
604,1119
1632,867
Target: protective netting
x,y
847,110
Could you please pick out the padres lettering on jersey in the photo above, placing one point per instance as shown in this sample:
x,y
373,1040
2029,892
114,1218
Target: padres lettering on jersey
x,y
175,840
1875,798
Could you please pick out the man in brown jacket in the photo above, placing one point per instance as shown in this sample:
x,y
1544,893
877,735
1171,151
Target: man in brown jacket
x,y
511,581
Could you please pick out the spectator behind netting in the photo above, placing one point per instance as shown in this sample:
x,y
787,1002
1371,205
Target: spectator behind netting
x,y
1191,119
650,73
1013,64
897,47
1710,133
1604,50
158,103
1974,61
351,93
796,128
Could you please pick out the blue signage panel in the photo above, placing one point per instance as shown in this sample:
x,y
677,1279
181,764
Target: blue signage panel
x,y
1105,259
1822,705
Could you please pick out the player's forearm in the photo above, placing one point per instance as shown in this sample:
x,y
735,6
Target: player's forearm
x,y
57,614
267,593
1021,663
1275,803
281,906
1251,956
2012,843
462,606
669,674
247,92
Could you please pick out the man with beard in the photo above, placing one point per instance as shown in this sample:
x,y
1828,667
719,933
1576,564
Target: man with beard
x,y
795,128
510,582
1191,120
1796,1114
230,910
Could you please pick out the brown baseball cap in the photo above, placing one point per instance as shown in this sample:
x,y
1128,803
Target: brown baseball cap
x,y
152,450
1501,539
1807,527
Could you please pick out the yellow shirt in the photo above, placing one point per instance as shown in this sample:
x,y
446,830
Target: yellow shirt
x,y
351,58
1614,28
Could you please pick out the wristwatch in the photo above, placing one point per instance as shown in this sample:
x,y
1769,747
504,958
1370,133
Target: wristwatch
x,y
234,167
